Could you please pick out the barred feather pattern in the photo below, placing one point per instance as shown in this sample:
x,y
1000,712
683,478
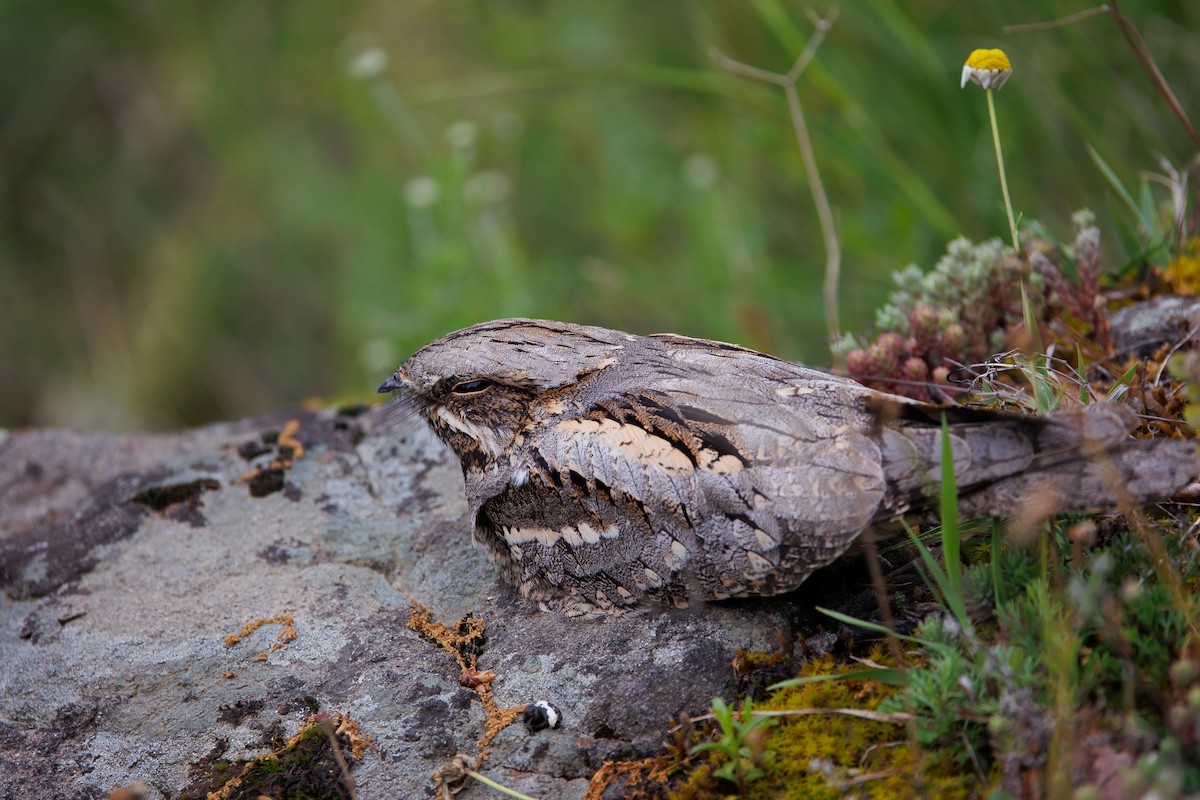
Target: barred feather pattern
x,y
604,469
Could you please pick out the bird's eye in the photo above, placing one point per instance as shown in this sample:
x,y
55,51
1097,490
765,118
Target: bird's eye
x,y
471,387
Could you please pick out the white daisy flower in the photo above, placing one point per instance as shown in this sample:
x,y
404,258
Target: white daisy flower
x,y
989,68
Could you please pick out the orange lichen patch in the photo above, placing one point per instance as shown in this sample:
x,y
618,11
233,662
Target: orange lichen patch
x,y
286,635
676,773
460,641
634,772
287,439
287,448
497,718
337,725
463,641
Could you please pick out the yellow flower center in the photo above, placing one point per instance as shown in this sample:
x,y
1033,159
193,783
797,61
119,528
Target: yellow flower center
x,y
988,59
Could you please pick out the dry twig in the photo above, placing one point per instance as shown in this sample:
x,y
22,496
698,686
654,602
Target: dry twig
x,y
833,248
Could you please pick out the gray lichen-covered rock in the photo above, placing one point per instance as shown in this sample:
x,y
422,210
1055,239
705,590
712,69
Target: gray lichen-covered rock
x,y
1144,327
126,561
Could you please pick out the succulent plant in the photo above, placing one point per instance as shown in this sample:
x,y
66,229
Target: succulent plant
x,y
970,306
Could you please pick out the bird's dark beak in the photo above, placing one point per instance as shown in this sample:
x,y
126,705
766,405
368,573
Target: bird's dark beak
x,y
391,384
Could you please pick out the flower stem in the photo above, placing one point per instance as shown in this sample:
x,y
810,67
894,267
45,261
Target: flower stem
x,y
1012,223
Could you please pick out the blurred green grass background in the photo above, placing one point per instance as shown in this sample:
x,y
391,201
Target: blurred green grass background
x,y
213,209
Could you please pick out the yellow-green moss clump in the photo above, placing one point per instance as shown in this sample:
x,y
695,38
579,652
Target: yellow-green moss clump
x,y
1183,272
818,756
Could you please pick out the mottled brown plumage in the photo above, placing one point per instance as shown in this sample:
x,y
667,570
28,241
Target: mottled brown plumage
x,y
604,469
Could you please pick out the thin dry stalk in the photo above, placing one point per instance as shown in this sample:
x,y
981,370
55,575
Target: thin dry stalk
x,y
1137,45
788,81
871,554
347,779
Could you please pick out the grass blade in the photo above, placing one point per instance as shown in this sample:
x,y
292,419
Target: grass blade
x,y
888,675
875,627
1115,183
951,536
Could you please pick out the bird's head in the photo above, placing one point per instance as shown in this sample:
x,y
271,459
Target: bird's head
x,y
477,387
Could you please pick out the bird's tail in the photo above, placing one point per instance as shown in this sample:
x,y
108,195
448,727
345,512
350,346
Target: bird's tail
x,y
1076,460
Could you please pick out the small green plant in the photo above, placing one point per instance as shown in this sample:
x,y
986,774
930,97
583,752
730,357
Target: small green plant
x,y
943,328
743,743
1039,654
1145,230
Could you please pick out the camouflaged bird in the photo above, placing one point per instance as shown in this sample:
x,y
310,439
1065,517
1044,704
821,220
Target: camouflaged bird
x,y
605,469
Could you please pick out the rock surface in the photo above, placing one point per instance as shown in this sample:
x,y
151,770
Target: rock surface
x,y
1144,327
126,561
